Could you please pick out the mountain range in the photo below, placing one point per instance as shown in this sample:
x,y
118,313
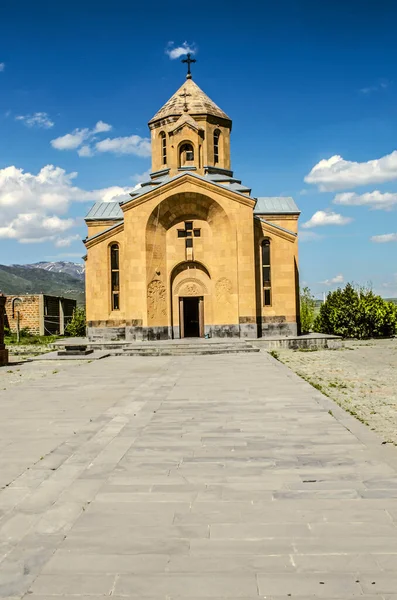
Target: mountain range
x,y
54,278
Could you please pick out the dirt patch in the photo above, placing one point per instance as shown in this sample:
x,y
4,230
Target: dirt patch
x,y
21,368
361,378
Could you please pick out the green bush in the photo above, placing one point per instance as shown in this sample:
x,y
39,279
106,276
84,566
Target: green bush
x,y
356,313
77,325
307,310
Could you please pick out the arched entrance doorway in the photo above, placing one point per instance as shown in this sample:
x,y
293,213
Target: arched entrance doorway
x,y
191,301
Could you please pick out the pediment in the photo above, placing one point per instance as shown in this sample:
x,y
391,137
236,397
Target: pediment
x,y
189,182
185,120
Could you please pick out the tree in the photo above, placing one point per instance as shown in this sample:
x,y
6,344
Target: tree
x,y
77,325
357,313
307,309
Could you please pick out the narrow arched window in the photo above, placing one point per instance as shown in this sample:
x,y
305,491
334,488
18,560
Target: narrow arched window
x,y
115,276
186,155
266,275
163,148
217,135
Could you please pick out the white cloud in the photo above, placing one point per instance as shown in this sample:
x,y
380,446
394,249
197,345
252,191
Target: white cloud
x,y
38,119
176,52
322,217
31,206
337,279
2,67
66,241
309,236
336,173
72,141
85,151
141,177
375,199
34,227
384,238
382,85
133,144
100,127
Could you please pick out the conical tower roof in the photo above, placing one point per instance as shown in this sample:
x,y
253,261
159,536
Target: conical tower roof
x,y
191,99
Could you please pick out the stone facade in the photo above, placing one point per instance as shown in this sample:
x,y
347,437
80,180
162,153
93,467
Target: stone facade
x,y
40,314
189,242
3,350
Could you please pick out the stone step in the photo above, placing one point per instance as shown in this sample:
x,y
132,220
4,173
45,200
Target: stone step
x,y
180,351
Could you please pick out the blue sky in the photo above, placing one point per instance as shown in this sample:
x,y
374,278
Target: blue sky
x,y
303,81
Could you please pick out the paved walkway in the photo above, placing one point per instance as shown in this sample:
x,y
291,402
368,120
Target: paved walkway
x,y
191,477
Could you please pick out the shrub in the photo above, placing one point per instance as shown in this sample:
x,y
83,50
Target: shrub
x,y
77,325
307,310
357,313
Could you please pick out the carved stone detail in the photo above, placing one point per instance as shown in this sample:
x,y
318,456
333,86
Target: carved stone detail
x,y
223,290
190,287
156,296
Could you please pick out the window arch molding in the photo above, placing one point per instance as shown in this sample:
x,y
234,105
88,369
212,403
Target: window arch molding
x,y
163,138
216,139
114,275
186,153
266,251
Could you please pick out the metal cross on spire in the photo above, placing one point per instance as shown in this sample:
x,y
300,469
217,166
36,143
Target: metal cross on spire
x,y
184,96
189,61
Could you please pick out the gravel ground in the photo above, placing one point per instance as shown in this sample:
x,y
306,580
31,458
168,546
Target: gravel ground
x,y
361,378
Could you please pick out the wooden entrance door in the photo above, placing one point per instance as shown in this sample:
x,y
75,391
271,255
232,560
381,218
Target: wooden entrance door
x,y
191,316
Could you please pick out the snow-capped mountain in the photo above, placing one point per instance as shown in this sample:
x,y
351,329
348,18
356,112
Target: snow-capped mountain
x,y
74,269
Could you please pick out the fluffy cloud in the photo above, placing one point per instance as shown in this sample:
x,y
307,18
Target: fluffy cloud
x,y
34,227
336,173
384,238
176,52
133,144
375,199
31,206
2,67
38,119
84,141
322,217
334,280
72,141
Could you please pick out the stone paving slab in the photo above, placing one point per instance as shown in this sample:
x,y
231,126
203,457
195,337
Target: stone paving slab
x,y
221,477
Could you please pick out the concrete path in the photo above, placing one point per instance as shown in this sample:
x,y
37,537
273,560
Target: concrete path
x,y
188,478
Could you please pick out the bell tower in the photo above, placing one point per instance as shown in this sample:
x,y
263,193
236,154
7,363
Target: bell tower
x,y
190,132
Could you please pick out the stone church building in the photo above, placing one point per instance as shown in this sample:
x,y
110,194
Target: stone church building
x,y
192,253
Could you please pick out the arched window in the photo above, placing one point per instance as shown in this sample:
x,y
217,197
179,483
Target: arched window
x,y
115,276
266,276
217,135
163,148
186,155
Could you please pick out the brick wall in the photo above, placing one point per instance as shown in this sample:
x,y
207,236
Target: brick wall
x,y
29,313
39,314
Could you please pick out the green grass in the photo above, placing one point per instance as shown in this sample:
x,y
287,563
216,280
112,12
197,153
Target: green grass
x,y
29,339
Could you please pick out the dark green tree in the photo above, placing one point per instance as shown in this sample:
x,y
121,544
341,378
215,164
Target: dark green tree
x,y
356,313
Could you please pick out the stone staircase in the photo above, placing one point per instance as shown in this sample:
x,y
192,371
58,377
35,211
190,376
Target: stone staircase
x,y
174,348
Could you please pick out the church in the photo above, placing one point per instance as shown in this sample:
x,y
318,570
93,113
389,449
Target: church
x,y
191,253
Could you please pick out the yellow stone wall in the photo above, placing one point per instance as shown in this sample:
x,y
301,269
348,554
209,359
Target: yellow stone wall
x,y
224,265
202,141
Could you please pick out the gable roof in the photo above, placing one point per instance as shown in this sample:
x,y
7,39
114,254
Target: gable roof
x,y
270,205
196,101
265,205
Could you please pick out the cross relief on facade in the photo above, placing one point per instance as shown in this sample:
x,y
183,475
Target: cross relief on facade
x,y
189,233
